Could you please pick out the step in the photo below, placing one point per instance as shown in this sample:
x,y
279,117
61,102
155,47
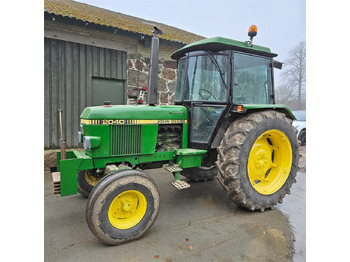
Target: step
x,y
56,180
173,168
180,184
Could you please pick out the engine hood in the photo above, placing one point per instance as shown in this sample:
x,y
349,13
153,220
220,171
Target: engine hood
x,y
134,112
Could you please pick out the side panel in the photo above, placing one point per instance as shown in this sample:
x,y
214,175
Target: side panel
x,y
184,135
76,160
149,138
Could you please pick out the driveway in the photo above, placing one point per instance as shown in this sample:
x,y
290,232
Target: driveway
x,y
195,224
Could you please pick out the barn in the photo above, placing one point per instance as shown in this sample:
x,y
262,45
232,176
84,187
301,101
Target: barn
x,y
92,55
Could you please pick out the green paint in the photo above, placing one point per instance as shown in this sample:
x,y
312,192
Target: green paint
x,y
101,131
135,112
75,161
281,108
177,176
158,156
188,157
149,138
184,135
221,43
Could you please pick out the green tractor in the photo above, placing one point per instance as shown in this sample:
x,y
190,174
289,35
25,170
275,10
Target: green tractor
x,y
224,124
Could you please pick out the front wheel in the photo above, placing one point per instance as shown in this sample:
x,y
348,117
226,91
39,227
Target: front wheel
x,y
258,160
87,179
122,207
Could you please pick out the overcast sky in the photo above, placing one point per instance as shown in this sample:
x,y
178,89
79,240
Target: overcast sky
x,y
281,23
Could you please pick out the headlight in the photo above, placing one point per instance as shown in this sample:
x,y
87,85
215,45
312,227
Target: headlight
x,y
91,142
87,143
80,134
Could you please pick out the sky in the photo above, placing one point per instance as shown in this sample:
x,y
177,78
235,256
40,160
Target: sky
x,y
281,23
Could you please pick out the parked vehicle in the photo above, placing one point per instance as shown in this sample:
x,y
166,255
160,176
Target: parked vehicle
x,y
300,124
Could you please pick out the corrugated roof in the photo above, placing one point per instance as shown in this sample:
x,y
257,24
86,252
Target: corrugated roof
x,y
93,14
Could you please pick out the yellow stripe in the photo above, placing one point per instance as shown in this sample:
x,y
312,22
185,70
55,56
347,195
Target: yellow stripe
x,y
132,121
85,121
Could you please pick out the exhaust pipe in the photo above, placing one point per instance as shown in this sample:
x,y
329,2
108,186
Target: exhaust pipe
x,y
153,70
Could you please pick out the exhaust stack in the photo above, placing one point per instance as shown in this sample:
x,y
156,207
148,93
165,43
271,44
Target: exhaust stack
x,y
153,70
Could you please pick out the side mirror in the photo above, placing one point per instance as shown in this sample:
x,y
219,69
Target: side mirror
x,y
277,64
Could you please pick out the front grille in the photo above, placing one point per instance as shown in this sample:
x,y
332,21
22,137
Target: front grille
x,y
125,140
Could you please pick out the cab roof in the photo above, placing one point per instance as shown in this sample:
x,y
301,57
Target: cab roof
x,y
219,44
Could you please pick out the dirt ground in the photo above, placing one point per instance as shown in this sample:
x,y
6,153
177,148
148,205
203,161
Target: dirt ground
x,y
197,224
302,160
50,159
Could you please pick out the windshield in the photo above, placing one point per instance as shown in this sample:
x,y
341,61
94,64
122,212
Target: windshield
x,y
206,78
252,79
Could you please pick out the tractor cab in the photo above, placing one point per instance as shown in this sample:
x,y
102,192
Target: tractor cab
x,y
215,76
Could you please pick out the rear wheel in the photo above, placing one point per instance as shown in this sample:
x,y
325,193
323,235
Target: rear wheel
x,y
258,160
199,174
122,207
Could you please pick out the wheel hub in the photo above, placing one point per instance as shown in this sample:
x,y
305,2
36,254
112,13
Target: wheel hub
x,y
269,162
262,160
127,209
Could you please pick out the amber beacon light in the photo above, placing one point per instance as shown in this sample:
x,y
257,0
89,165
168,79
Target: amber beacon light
x,y
253,30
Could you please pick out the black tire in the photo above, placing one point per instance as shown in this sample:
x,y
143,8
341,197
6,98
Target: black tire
x,y
233,161
200,174
111,195
86,181
302,137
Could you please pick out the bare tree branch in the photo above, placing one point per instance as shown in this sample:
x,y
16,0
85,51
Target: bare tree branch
x,y
294,76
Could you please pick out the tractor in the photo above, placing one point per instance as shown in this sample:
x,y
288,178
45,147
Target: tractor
x,y
224,124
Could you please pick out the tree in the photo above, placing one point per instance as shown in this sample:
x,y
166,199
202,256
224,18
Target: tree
x,y
294,75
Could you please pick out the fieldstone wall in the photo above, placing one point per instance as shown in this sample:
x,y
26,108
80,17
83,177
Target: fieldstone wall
x,y
138,68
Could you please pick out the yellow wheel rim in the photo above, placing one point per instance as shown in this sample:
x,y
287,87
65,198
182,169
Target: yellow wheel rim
x,y
270,161
90,179
127,209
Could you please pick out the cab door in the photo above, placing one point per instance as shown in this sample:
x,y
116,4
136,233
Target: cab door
x,y
205,94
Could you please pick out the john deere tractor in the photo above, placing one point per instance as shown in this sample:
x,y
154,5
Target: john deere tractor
x,y
224,124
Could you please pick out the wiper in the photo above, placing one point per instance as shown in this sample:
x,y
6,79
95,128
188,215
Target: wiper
x,y
215,62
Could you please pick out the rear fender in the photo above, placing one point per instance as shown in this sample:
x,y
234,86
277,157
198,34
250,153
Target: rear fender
x,y
248,109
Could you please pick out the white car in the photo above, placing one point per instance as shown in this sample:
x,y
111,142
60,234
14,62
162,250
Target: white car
x,y
300,124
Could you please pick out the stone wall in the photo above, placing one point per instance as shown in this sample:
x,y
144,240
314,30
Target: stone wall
x,y
138,68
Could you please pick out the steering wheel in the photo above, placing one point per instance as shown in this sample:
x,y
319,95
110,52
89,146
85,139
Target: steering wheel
x,y
201,91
